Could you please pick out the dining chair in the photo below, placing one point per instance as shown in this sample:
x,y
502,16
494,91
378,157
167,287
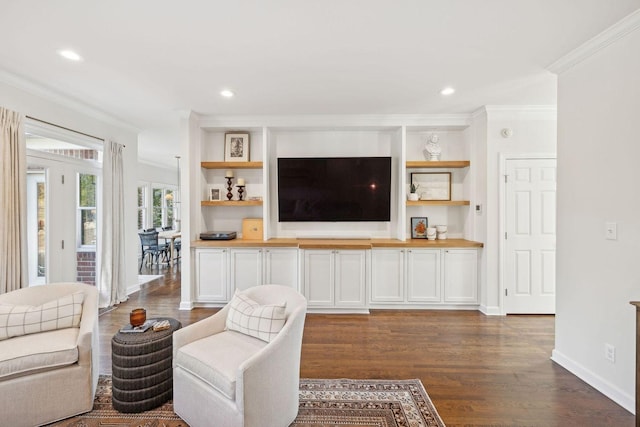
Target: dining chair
x,y
151,247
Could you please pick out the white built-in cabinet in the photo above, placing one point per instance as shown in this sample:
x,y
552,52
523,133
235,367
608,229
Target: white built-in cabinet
x,y
417,276
405,274
460,276
220,271
423,275
335,278
212,284
245,266
281,266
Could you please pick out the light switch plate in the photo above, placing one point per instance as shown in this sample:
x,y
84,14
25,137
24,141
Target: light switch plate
x,y
611,231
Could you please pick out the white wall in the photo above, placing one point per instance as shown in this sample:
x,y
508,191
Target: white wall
x,y
44,106
598,152
534,133
157,174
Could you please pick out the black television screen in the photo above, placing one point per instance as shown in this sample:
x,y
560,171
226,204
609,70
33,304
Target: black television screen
x,y
334,189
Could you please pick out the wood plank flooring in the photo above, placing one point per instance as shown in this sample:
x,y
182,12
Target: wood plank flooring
x,y
478,370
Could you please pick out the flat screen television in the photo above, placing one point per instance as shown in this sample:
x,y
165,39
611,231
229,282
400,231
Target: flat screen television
x,y
334,189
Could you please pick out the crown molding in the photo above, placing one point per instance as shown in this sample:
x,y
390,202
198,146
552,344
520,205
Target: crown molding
x,y
340,121
626,25
41,91
521,108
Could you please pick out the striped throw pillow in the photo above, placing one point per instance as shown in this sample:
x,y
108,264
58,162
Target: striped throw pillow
x,y
17,320
250,318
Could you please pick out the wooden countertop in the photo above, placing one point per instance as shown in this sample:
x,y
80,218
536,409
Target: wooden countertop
x,y
338,243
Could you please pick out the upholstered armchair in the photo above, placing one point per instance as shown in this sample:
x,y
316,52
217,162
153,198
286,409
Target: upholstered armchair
x,y
236,368
51,375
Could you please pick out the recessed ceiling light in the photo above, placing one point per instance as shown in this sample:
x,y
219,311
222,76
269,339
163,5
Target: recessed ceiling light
x,y
447,91
227,93
70,55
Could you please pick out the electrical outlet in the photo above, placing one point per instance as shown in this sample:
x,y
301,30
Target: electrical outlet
x,y
610,353
611,231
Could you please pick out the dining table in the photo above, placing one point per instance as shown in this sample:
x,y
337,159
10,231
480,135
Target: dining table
x,y
170,235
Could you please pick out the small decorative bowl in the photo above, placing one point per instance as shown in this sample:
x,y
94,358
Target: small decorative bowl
x,y
137,317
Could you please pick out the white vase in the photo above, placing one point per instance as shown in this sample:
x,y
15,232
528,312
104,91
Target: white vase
x,y
412,196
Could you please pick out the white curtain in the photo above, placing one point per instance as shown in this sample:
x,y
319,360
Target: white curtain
x,y
113,289
13,203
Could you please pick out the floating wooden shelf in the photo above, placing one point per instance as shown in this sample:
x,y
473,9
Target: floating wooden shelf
x,y
438,164
231,165
438,203
231,203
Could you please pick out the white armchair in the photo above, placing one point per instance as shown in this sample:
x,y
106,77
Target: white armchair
x,y
229,379
48,376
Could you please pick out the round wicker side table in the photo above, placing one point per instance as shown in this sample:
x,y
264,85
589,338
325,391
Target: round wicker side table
x,y
142,376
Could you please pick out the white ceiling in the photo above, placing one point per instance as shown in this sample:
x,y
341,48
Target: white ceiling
x,y
144,61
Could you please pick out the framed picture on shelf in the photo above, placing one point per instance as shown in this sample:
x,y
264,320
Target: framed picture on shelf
x,y
419,226
236,147
432,185
216,193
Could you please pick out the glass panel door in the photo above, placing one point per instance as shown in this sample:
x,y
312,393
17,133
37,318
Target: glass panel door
x,y
36,224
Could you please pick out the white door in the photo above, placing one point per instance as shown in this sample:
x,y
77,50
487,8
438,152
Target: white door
x,y
530,250
62,230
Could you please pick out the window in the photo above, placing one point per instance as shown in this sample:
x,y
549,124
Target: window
x,y
87,221
142,207
163,212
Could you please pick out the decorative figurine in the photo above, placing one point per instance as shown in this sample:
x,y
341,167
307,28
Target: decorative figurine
x,y
433,148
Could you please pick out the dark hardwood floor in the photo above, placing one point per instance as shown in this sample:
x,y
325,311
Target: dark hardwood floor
x,y
478,370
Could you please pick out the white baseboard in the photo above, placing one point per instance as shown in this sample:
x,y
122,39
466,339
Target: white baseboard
x,y
490,311
611,391
186,305
133,288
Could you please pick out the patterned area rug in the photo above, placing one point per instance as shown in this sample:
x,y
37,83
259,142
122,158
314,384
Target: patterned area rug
x,y
323,403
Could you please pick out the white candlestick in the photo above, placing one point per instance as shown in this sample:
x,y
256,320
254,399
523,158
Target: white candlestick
x,y
240,181
228,174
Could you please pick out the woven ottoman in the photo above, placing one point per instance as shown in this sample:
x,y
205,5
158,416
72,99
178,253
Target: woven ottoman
x,y
142,375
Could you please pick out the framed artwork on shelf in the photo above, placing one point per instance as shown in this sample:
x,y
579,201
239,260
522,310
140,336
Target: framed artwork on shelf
x,y
432,185
216,193
419,226
236,147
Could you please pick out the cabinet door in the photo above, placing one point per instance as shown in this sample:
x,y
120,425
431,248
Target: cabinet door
x,y
350,278
281,267
211,275
387,275
246,268
461,275
423,275
318,278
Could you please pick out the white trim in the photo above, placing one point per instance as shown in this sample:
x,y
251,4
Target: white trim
x,y
623,399
502,209
188,305
346,121
493,310
133,288
612,34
